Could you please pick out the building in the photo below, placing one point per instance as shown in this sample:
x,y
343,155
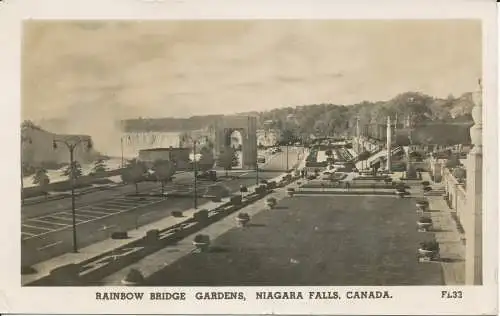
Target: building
x,y
37,147
180,156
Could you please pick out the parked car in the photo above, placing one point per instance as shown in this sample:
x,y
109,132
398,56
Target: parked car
x,y
261,160
209,174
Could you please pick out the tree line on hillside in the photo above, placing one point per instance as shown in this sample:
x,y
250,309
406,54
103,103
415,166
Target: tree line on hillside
x,y
331,119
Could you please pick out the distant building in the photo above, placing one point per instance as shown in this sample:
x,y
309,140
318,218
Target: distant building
x,y
38,148
268,137
180,156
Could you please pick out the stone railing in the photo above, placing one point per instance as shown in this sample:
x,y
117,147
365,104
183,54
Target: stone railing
x,y
455,193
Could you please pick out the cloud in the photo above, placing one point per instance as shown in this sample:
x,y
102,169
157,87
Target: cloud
x,y
184,68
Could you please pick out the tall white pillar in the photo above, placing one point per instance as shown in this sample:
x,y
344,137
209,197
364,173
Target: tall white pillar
x,y
358,140
474,218
389,144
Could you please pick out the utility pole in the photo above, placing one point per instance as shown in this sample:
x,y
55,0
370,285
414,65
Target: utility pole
x,y
195,165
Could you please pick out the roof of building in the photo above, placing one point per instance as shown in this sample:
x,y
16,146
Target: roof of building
x,y
434,134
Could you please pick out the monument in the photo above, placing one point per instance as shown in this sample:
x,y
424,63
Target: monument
x,y
389,143
474,220
247,127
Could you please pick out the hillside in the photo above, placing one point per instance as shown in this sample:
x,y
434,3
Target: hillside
x,y
411,108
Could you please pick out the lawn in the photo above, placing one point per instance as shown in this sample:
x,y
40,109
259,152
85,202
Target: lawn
x,y
359,240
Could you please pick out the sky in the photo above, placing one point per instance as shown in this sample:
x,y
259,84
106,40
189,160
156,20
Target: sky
x,y
90,71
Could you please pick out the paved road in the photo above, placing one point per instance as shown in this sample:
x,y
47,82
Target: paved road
x,y
46,229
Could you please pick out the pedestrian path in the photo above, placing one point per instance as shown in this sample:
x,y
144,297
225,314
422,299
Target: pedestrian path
x,y
449,237
452,250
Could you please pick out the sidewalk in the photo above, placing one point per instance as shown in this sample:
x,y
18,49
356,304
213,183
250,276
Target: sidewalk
x,y
452,250
168,255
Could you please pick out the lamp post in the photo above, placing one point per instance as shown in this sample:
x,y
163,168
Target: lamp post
x,y
121,147
71,145
195,165
24,139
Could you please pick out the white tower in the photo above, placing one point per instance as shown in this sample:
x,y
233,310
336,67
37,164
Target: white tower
x,y
474,217
389,143
358,140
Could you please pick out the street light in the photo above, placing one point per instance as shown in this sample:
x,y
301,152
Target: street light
x,y
195,166
71,144
24,139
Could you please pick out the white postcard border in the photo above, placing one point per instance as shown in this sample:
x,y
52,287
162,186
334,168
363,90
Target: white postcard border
x,y
406,300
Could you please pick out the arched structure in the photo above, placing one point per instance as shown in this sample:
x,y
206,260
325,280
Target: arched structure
x,y
247,126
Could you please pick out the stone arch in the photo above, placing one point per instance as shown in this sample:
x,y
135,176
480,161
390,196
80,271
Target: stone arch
x,y
247,127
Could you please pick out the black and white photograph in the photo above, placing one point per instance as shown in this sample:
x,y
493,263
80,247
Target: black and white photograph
x,y
268,154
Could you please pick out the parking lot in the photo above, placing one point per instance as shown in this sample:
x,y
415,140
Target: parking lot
x,y
46,224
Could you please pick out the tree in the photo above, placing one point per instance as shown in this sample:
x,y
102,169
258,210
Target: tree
x,y
460,174
227,159
329,152
42,180
453,162
207,160
73,171
99,166
163,171
134,173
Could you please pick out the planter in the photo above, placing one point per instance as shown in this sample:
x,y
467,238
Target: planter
x,y
422,205
428,250
133,278
401,194
202,242
243,219
271,203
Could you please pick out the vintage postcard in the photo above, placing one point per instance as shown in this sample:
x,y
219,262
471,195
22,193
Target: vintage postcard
x,y
241,157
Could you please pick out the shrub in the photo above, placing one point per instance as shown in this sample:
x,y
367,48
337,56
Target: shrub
x,y
177,213
244,216
236,199
425,220
201,215
119,235
271,202
293,190
134,276
264,181
27,270
243,189
431,245
202,239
